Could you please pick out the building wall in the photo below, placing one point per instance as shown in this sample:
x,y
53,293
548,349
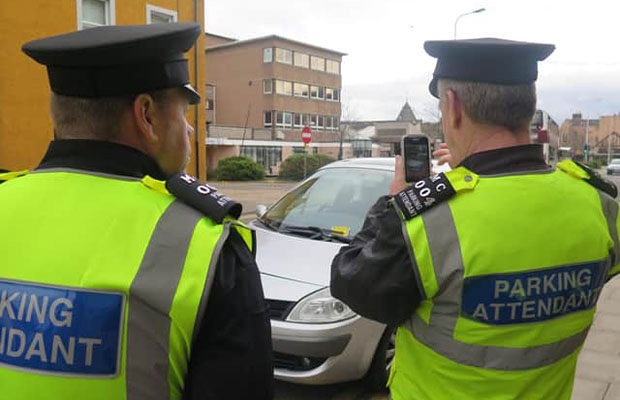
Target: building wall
x,y
214,40
216,153
25,124
573,133
609,124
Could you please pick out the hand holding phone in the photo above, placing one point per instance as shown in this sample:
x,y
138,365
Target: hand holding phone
x,y
416,152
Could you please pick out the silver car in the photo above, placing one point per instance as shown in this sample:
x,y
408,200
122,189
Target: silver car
x,y
614,167
317,339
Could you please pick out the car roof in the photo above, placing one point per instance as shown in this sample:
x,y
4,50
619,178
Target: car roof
x,y
383,163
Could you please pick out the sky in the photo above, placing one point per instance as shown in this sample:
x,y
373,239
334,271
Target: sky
x,y
386,64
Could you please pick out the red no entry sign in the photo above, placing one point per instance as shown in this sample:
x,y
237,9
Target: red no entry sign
x,y
306,134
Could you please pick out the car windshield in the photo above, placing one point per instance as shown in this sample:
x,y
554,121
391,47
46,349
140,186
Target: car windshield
x,y
615,161
330,205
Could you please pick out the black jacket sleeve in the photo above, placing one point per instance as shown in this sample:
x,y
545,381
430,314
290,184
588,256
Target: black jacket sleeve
x,y
232,355
373,274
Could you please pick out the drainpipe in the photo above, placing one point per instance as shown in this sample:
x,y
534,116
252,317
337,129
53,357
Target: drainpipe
x,y
197,128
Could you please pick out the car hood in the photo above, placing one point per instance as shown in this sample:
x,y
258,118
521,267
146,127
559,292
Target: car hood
x,y
294,258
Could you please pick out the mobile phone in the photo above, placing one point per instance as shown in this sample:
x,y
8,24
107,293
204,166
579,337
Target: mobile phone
x,y
416,152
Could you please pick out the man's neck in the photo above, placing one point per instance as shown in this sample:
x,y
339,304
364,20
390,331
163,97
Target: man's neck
x,y
491,138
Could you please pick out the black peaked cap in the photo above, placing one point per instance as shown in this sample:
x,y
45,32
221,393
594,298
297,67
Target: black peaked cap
x,y
117,60
488,60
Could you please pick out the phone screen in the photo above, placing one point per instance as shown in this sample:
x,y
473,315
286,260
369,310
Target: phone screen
x,y
416,156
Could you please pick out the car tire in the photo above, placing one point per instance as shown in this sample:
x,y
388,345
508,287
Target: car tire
x,y
379,371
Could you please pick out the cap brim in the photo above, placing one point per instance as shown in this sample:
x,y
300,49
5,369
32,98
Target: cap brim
x,y
432,87
194,96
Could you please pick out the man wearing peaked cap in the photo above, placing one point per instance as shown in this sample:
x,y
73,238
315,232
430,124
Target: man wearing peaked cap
x,y
122,277
492,270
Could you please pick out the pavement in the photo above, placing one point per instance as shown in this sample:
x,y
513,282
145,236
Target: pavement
x,y
598,368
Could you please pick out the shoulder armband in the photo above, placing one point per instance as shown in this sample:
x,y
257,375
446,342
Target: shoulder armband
x,y
427,193
581,171
203,197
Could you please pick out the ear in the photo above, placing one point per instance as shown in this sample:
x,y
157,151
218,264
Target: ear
x,y
455,110
144,115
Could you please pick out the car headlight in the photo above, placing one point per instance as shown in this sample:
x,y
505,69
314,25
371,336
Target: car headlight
x,y
320,307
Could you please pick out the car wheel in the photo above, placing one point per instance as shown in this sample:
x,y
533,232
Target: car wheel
x,y
379,371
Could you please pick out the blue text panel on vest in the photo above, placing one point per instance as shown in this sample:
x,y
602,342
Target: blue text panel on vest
x,y
532,296
60,330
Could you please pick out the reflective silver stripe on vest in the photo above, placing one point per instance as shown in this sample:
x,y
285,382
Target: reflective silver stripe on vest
x,y
438,335
610,209
150,300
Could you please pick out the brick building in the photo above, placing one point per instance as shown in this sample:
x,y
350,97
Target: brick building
x,y
262,91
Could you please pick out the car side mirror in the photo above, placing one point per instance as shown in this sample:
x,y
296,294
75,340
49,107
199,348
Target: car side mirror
x,y
261,209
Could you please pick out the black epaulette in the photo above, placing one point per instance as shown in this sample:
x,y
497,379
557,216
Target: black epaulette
x,y
424,195
205,198
598,181
3,171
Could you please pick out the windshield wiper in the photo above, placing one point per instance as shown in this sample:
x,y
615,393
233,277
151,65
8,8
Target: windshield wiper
x,y
268,224
314,232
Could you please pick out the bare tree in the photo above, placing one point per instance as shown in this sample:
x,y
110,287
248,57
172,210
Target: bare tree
x,y
348,114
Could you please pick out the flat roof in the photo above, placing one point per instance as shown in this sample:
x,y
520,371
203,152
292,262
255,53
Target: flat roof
x,y
266,38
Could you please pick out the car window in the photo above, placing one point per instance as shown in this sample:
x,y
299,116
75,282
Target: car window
x,y
335,199
615,161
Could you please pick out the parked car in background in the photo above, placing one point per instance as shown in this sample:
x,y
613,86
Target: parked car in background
x,y
614,167
318,339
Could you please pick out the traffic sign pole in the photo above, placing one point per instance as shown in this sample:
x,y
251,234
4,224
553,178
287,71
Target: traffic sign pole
x,y
306,137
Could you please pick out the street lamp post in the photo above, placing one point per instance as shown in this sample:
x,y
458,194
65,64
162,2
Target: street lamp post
x,y
462,15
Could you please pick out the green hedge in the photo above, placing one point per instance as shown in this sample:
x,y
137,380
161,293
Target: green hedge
x,y
594,164
239,169
293,167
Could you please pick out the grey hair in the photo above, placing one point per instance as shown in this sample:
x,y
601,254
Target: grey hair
x,y
509,106
96,118
88,118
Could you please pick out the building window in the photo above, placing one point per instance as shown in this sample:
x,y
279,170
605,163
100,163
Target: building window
x,y
297,118
336,95
285,88
321,123
305,120
314,120
209,104
317,63
288,120
267,54
329,94
333,67
362,147
302,60
284,119
299,150
321,92
300,89
158,15
92,13
314,92
328,123
331,123
267,156
267,119
267,86
284,56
